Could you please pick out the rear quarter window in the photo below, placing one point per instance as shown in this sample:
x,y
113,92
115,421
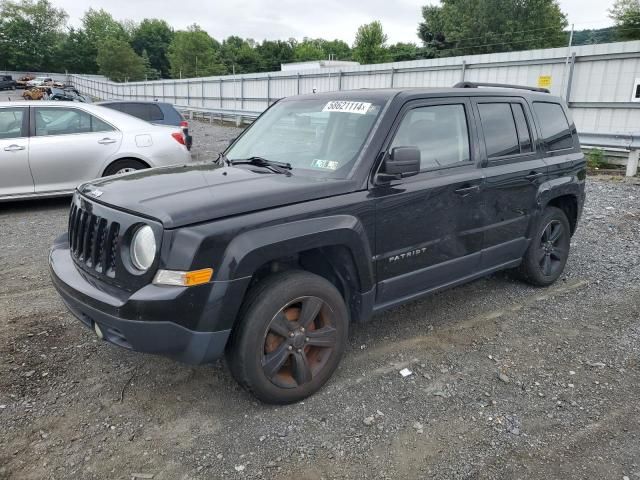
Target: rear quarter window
x,y
556,131
144,111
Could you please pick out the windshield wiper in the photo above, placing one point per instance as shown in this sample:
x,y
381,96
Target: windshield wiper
x,y
276,167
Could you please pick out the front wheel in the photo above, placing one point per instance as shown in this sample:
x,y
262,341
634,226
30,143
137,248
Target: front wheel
x,y
291,335
548,252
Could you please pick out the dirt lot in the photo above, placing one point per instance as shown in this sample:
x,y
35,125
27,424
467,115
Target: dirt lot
x,y
508,381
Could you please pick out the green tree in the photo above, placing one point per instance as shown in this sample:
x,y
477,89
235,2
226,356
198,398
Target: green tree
x,y
335,49
75,53
273,53
593,37
29,33
119,62
308,50
193,53
370,44
154,36
400,52
240,55
459,27
150,73
100,26
626,15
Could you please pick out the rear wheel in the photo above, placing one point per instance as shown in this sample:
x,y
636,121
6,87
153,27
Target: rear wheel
x,y
548,252
126,165
291,335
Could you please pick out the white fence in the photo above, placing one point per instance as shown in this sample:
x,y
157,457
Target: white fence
x,y
597,80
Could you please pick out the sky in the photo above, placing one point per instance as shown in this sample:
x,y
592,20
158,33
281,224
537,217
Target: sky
x,y
283,19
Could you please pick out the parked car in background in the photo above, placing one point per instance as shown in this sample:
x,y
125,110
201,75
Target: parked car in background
x,y
48,148
22,81
7,82
158,113
39,81
66,95
34,93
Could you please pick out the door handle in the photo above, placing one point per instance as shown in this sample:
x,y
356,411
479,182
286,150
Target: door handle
x,y
13,148
534,176
467,190
106,141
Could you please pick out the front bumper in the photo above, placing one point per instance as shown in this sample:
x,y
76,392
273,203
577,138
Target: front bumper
x,y
93,303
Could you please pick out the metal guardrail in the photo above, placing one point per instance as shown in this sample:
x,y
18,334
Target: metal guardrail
x,y
237,116
622,141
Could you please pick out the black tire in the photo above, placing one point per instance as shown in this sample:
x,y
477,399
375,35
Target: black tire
x,y
547,255
271,354
124,166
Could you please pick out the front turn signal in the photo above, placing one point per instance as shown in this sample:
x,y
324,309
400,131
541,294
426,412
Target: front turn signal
x,y
183,279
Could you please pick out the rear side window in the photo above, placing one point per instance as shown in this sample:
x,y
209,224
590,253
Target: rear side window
x,y
11,122
556,131
144,111
67,121
500,134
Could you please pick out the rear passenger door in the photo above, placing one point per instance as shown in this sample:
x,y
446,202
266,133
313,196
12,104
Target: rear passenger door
x,y
68,146
514,169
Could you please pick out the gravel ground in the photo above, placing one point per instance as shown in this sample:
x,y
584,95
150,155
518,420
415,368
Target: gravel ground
x,y
509,381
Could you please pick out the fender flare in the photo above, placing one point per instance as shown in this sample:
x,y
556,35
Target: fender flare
x,y
252,249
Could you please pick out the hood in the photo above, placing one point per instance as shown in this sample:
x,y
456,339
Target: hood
x,y
185,194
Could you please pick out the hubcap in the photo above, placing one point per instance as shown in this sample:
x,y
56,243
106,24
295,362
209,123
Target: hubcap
x,y
298,342
552,250
125,170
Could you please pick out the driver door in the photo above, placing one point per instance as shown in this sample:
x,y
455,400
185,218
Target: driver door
x,y
15,174
429,226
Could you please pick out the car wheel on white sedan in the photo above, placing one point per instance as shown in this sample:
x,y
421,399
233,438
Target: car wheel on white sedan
x,y
127,165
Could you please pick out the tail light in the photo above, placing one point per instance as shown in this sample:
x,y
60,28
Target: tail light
x,y
179,137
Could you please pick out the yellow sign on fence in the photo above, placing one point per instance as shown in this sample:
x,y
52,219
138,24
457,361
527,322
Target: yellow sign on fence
x,y
544,81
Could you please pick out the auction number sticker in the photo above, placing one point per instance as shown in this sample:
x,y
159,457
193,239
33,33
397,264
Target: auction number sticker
x,y
325,164
347,107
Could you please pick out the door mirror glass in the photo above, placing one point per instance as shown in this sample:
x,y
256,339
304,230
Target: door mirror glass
x,y
401,162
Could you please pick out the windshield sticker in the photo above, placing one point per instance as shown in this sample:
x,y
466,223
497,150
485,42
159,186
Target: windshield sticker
x,y
325,164
347,107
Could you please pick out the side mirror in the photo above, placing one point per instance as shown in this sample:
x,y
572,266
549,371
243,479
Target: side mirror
x,y
401,162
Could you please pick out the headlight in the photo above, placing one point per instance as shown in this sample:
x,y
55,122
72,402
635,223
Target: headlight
x,y
143,248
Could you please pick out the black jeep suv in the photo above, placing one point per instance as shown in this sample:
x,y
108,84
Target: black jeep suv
x,y
329,208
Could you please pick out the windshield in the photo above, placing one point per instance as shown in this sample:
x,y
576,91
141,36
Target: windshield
x,y
320,137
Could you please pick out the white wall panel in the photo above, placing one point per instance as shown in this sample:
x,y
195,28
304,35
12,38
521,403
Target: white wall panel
x,y
603,75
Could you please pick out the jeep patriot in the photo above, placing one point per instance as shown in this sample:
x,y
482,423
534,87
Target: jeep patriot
x,y
329,208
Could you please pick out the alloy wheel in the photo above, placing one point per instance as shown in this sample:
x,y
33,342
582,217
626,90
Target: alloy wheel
x,y
552,253
298,342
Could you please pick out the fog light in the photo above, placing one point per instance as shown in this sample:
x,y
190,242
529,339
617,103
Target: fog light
x,y
183,279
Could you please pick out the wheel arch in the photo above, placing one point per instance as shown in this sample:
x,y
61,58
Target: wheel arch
x,y
335,248
568,203
119,159
565,194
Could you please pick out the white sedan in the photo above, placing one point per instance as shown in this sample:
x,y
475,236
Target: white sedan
x,y
48,148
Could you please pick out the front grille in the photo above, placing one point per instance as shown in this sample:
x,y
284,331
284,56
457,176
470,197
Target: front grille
x,y
93,240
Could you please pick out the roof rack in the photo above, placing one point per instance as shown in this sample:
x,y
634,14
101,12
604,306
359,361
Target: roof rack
x,y
499,85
